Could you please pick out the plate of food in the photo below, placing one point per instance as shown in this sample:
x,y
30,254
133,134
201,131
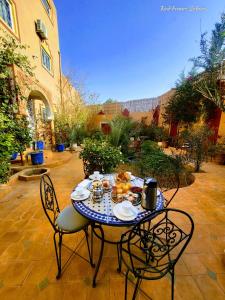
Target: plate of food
x,y
134,198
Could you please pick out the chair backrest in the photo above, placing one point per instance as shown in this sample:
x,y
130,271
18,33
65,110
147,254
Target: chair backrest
x,y
169,184
49,200
161,245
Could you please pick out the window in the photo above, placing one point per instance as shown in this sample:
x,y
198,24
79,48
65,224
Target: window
x,y
6,12
46,59
47,6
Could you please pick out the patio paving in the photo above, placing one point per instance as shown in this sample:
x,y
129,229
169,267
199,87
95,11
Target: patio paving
x,y
27,259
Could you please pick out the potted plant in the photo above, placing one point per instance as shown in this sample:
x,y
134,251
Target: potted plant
x,y
60,146
37,157
100,156
40,145
61,133
14,156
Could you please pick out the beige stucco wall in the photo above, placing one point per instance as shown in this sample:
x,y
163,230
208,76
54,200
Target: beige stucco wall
x,y
27,12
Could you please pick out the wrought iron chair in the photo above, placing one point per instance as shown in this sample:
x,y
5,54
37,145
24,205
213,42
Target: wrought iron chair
x,y
67,221
151,254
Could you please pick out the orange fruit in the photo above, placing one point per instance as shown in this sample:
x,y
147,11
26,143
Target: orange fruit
x,y
119,191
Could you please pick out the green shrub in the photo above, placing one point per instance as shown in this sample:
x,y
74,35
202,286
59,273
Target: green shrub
x,y
122,128
100,155
154,132
198,140
154,162
4,170
77,133
149,146
14,131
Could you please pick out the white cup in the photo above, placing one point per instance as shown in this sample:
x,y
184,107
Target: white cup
x,y
79,191
96,174
127,207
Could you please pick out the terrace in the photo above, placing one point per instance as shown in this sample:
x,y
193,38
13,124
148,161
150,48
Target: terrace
x,y
140,183
28,266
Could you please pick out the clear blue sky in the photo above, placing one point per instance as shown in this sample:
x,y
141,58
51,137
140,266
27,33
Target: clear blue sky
x,y
130,49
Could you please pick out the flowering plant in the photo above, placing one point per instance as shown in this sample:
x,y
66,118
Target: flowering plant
x,y
100,156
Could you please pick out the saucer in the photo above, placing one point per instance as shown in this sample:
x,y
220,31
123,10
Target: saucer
x,y
94,177
80,197
120,214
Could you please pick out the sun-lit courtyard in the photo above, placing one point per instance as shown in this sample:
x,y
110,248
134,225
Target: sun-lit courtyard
x,y
112,150
28,266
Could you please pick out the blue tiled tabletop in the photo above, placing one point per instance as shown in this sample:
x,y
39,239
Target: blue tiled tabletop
x,y
103,212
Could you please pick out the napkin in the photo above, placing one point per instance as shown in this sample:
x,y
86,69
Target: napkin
x,y
84,184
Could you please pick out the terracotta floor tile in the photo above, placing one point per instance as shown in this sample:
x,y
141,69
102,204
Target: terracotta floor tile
x,y
10,293
186,288
221,281
39,271
194,264
212,262
51,291
210,288
14,273
117,289
76,290
157,289
27,258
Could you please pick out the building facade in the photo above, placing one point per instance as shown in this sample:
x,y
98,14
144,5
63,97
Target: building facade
x,y
34,23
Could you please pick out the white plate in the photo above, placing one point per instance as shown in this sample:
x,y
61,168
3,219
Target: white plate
x,y
132,177
93,177
117,212
82,197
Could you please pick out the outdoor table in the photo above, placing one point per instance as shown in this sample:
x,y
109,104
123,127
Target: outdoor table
x,y
101,213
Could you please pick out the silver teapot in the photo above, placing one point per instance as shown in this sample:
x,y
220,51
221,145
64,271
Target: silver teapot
x,y
97,191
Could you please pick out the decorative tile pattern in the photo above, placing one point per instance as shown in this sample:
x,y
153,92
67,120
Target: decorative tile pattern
x,y
102,212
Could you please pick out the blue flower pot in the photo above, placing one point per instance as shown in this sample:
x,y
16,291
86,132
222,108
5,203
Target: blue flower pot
x,y
37,158
40,145
14,156
60,147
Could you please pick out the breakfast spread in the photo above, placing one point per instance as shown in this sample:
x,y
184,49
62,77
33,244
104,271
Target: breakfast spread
x,y
122,189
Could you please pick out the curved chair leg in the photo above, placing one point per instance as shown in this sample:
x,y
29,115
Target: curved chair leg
x,y
88,246
136,288
58,252
119,254
172,284
126,281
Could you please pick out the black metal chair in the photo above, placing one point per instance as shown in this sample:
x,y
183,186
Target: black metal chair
x,y
67,221
151,254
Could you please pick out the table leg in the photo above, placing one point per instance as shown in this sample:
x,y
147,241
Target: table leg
x,y
95,226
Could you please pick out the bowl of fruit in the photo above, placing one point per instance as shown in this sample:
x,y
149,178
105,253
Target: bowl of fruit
x,y
123,177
